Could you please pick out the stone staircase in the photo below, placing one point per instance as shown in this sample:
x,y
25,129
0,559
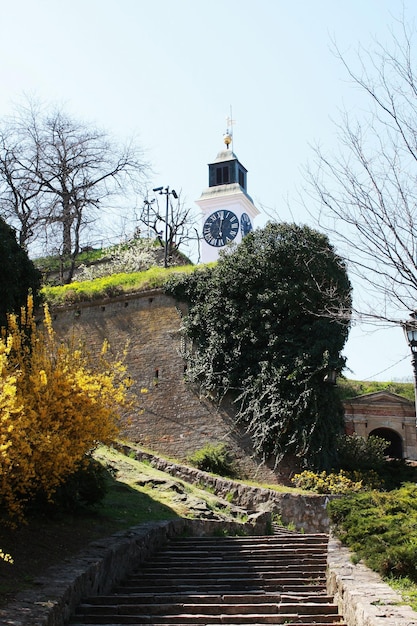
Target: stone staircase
x,y
274,579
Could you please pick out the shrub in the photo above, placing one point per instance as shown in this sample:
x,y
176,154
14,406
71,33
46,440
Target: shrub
x,y
137,255
86,486
357,453
56,405
341,482
395,472
18,274
359,519
246,344
215,459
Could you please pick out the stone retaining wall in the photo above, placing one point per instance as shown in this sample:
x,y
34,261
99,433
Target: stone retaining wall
x,y
307,512
361,596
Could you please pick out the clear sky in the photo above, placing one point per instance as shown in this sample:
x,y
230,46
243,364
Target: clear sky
x,y
168,71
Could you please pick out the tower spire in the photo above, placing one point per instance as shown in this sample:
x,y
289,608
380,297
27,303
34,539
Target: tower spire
x,y
228,136
227,208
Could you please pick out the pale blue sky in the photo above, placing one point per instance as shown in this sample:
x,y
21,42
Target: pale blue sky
x,y
168,71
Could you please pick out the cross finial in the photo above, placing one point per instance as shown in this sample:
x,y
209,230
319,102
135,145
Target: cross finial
x,y
230,123
228,136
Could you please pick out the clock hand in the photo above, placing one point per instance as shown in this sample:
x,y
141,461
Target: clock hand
x,y
220,227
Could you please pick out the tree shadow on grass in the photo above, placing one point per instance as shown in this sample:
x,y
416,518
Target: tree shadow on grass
x,y
50,537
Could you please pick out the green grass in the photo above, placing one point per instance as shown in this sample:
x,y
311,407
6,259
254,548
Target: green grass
x,y
406,588
117,284
53,263
351,388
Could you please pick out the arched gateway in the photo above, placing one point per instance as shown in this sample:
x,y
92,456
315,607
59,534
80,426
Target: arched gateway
x,y
395,445
385,415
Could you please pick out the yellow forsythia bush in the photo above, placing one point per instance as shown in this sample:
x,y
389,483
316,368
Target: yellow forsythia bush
x,y
341,482
56,404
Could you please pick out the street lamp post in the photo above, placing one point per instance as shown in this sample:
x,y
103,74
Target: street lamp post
x,y
167,193
410,331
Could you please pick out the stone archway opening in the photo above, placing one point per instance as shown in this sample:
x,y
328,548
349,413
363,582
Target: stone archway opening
x,y
395,442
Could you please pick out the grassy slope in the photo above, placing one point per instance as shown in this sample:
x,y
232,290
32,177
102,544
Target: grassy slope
x,y
137,493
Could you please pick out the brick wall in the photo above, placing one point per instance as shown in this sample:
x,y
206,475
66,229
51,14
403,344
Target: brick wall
x,y
171,418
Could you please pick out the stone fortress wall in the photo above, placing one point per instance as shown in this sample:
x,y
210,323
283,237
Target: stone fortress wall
x,y
171,418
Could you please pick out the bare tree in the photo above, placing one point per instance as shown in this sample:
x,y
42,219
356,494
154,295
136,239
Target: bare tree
x,y
368,191
20,198
59,174
179,222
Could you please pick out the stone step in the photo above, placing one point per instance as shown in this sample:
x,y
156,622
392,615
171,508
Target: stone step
x,y
237,555
237,581
279,531
198,573
263,544
226,575
246,545
190,619
175,598
242,539
225,569
245,608
288,587
279,582
134,622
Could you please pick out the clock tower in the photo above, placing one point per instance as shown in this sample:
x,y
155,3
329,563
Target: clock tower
x,y
228,210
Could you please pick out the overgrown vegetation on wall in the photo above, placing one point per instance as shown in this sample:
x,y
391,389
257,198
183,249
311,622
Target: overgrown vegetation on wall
x,y
351,388
110,286
267,324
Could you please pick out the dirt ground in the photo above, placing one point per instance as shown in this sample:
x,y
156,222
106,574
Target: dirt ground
x,y
41,543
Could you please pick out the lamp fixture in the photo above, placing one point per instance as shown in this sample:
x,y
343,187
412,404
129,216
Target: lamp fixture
x,y
167,193
410,332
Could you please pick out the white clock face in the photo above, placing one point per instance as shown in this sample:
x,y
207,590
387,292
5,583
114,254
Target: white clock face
x,y
220,228
245,224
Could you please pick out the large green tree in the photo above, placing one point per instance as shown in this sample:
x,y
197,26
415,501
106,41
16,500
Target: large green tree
x,y
18,274
267,324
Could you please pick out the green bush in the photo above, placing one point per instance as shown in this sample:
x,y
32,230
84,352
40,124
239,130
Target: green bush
x,y
87,486
215,459
358,453
380,528
395,472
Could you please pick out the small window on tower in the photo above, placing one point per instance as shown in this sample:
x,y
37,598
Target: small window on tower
x,y
242,179
222,175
